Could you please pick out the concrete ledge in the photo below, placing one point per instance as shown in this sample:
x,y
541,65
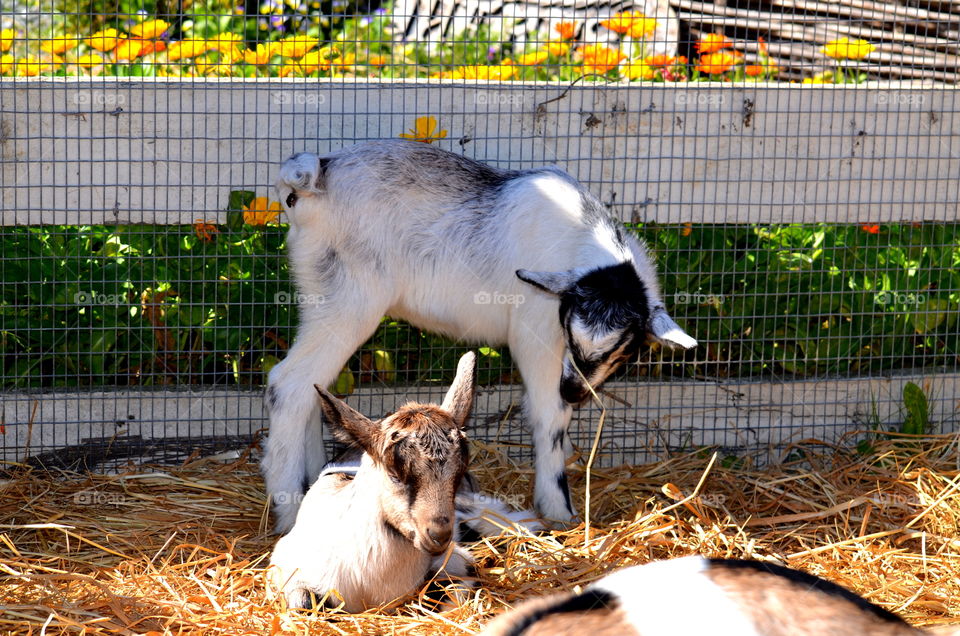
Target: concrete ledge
x,y
116,150
644,421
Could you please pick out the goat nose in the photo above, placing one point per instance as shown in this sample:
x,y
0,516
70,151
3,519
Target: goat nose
x,y
440,534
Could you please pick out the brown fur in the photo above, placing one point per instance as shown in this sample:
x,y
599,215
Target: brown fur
x,y
601,621
788,608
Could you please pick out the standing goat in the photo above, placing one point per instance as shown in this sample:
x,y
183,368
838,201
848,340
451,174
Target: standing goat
x,y
449,244
376,528
696,595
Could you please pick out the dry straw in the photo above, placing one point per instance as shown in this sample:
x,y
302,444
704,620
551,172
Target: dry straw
x,y
182,550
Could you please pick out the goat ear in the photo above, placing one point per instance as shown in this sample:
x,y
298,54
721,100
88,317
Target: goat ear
x,y
345,423
553,282
668,332
459,399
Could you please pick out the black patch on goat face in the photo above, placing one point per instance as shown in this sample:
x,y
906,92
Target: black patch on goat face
x,y
393,531
604,317
292,199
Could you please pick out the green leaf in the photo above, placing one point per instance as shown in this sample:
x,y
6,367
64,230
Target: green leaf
x,y
915,401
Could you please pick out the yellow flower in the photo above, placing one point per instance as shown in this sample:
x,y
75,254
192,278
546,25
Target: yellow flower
x,y
228,43
59,44
149,30
223,66
637,69
343,64
31,66
823,78
296,46
103,41
556,48
633,23
129,49
497,72
89,60
186,49
258,57
318,60
532,59
6,39
261,211
424,129
6,62
847,49
599,59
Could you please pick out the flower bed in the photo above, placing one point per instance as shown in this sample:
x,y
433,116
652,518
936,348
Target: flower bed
x,y
220,41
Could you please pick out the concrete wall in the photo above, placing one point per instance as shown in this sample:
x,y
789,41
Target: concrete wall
x,y
751,417
110,150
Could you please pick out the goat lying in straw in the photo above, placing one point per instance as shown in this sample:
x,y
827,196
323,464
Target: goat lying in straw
x,y
696,595
466,250
376,535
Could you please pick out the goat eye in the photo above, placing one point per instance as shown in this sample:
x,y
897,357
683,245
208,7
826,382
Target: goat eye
x,y
291,199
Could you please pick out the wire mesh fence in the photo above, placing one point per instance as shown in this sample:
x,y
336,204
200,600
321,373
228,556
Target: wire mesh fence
x,y
806,235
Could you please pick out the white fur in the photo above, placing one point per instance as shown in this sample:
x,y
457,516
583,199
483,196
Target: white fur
x,y
398,234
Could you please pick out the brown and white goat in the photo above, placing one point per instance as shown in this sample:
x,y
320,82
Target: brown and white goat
x,y
374,530
697,595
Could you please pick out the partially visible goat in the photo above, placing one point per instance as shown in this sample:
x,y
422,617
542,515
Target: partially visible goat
x,y
697,595
375,529
466,250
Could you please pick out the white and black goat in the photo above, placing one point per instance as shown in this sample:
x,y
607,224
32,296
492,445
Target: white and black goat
x,y
376,526
465,250
697,595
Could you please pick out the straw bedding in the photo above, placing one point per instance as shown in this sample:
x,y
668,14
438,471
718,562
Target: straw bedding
x,y
182,550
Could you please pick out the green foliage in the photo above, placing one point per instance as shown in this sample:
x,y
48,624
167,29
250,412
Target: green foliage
x,y
145,305
915,403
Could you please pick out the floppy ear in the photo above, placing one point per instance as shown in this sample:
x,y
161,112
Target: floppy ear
x,y
668,332
459,399
552,282
346,424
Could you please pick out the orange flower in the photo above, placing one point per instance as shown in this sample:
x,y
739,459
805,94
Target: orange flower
x,y
566,30
762,44
870,229
89,60
424,130
204,230
716,63
712,42
377,60
687,229
662,61
186,49
343,63
600,59
261,211
634,23
754,70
